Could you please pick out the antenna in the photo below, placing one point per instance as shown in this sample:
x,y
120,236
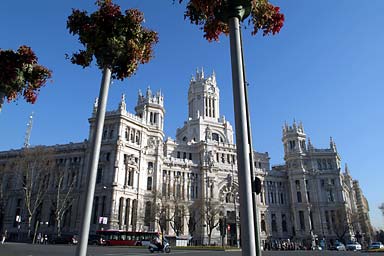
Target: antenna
x,y
28,131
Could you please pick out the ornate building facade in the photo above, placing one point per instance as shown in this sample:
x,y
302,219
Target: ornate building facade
x,y
146,182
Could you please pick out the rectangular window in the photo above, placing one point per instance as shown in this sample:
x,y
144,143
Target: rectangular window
x,y
327,220
262,222
308,197
164,189
284,223
178,154
95,208
274,224
330,196
130,177
99,175
190,156
149,183
301,218
299,199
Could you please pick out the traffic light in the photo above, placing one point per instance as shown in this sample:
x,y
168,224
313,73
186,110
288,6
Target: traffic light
x,y
256,186
223,226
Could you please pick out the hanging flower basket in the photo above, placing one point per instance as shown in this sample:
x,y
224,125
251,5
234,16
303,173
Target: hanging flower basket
x,y
212,16
117,41
21,75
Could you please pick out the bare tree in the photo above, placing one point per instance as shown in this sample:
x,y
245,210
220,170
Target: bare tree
x,y
344,223
194,218
30,168
63,196
212,211
177,218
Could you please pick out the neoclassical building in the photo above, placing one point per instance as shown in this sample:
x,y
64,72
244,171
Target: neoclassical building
x,y
148,182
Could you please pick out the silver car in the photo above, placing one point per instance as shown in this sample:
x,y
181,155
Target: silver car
x,y
376,245
353,246
338,246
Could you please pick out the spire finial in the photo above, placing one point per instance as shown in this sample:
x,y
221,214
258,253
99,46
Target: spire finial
x,y
309,144
346,170
95,105
122,105
332,144
149,92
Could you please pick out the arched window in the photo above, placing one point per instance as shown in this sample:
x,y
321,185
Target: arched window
x,y
215,136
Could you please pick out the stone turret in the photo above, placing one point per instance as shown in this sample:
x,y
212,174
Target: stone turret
x,y
203,97
151,108
294,139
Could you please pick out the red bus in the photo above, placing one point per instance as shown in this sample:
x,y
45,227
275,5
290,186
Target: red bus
x,y
128,238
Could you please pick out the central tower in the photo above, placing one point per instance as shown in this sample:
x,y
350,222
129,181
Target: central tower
x,y
203,97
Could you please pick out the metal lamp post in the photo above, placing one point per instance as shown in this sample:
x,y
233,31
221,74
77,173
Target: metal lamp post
x,y
93,163
234,12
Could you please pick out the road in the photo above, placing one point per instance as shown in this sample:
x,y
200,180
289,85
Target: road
x,y
18,249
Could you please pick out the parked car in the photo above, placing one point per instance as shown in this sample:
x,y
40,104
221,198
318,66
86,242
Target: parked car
x,y
376,245
96,240
353,246
338,246
64,239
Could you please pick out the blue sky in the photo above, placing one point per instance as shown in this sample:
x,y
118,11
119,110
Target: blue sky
x,y
325,68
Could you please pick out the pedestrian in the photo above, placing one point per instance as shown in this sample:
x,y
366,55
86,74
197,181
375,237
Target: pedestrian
x,y
45,239
3,236
38,238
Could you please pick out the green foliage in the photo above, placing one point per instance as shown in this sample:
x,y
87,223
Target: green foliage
x,y
211,16
21,75
117,41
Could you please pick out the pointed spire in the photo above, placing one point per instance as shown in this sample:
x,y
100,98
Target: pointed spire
x,y
95,105
310,147
301,128
213,76
346,170
202,73
149,92
122,105
332,144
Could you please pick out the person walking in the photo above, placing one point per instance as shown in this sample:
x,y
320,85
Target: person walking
x,y
45,239
38,238
3,236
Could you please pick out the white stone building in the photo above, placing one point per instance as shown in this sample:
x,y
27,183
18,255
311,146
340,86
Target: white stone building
x,y
144,179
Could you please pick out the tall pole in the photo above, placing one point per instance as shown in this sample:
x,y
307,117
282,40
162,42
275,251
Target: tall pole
x,y
242,141
93,163
251,160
